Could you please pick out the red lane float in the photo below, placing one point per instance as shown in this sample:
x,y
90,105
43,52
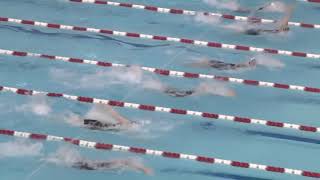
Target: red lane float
x,y
164,72
159,153
192,13
160,38
144,107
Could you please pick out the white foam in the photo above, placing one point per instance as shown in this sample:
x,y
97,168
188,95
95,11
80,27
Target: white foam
x,y
64,156
20,148
72,119
148,129
221,4
269,62
276,6
237,26
37,105
101,113
214,88
211,20
101,79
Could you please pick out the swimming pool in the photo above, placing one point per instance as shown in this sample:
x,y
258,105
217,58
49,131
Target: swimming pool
x,y
162,131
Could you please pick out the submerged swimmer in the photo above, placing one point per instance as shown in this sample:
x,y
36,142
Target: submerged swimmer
x,y
203,88
120,123
235,6
111,165
283,25
220,65
240,9
178,93
231,66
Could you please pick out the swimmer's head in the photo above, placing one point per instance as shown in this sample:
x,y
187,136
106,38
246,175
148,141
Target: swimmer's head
x,y
252,62
190,92
252,32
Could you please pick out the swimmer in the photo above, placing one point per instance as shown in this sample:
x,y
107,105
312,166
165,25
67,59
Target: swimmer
x,y
233,5
219,65
111,165
178,93
253,11
120,123
98,125
283,25
203,88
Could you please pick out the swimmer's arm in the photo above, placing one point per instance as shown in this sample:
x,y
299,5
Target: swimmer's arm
x,y
240,65
283,23
243,10
264,6
270,30
137,166
198,64
120,119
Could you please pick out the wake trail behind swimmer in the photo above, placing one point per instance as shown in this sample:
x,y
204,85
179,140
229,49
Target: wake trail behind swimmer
x,y
70,157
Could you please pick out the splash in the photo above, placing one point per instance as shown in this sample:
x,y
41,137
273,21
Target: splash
x,y
68,157
133,75
198,62
214,88
101,113
153,84
20,148
276,6
37,105
146,129
72,119
65,156
232,5
98,112
269,62
141,128
211,20
239,27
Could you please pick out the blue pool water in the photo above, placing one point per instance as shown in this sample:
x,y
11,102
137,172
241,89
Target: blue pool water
x,y
193,135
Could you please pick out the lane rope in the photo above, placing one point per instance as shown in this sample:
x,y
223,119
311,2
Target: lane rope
x,y
164,72
159,153
160,38
310,1
144,107
156,9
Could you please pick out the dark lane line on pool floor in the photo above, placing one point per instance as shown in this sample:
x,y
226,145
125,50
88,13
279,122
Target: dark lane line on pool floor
x,y
209,173
78,36
283,137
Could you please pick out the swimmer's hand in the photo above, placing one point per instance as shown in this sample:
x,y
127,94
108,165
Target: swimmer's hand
x,y
230,93
148,171
284,28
